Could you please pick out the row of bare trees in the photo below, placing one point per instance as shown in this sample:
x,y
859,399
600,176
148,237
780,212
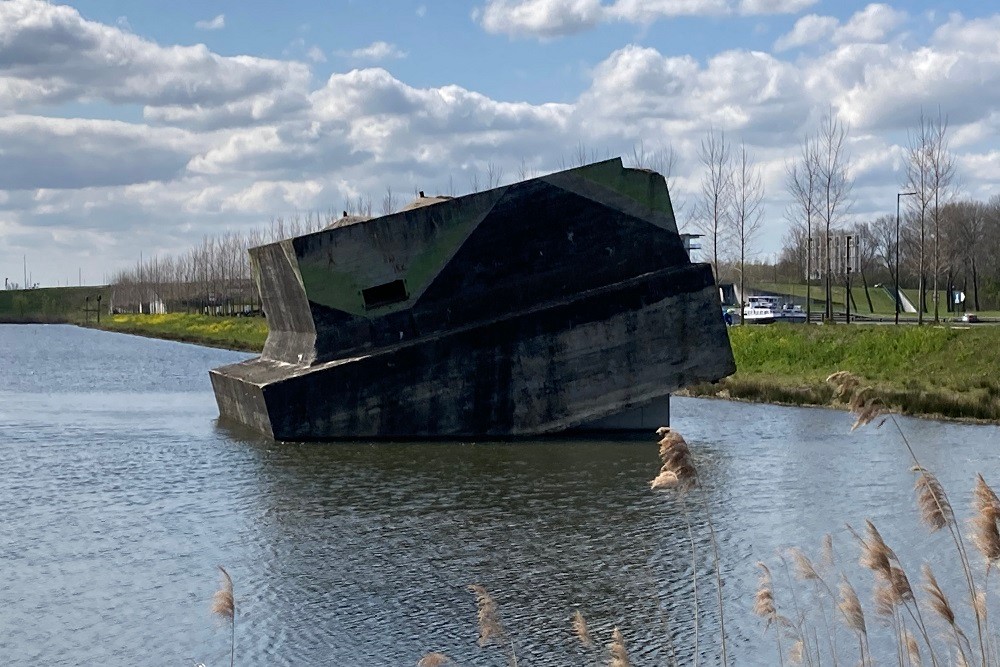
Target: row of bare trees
x,y
211,278
730,209
939,245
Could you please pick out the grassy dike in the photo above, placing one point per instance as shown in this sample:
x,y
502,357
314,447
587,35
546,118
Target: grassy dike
x,y
951,372
233,333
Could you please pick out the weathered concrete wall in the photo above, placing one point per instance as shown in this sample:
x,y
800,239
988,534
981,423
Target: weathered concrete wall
x,y
530,308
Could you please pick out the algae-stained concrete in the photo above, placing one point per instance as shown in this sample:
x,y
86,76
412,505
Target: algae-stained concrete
x,y
527,309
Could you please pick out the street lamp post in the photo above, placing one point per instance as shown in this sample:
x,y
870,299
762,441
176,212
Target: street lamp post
x,y
896,295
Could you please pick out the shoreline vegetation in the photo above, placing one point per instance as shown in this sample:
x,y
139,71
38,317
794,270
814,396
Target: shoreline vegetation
x,y
946,371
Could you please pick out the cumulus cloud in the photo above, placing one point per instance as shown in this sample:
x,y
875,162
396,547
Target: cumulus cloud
x,y
61,153
871,24
376,52
230,142
217,23
52,55
554,18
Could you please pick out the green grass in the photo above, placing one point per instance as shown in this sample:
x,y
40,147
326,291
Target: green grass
x,y
235,333
50,304
945,371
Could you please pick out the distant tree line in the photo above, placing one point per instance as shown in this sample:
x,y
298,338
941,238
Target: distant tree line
x,y
946,244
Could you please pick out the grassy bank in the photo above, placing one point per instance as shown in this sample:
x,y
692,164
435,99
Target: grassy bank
x,y
51,304
234,333
935,371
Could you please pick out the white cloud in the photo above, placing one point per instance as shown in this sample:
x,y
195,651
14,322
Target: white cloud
x,y
52,55
546,19
758,7
540,18
316,55
230,142
872,24
376,52
217,23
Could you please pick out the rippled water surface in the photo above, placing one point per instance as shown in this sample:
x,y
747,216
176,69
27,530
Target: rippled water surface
x,y
120,494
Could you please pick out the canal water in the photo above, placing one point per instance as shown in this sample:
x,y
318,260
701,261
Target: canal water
x,y
120,494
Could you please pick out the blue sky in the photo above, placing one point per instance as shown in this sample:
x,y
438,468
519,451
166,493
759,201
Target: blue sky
x,y
119,134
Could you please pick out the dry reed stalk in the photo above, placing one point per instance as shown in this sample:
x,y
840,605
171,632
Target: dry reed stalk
x,y
866,405
804,568
935,510
580,629
224,605
827,558
797,652
985,532
854,616
491,630
677,469
850,607
912,648
488,616
942,607
619,656
875,553
435,660
764,606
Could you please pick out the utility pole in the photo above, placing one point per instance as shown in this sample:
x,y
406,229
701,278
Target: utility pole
x,y
847,296
898,294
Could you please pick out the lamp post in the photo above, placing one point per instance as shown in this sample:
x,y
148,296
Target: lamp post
x,y
898,195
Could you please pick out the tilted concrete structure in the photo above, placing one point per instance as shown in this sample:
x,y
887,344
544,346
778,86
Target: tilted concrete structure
x,y
527,309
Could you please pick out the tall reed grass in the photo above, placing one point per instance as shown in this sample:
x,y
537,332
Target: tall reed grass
x,y
918,621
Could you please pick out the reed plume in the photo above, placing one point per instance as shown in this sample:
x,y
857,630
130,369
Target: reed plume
x,y
488,616
435,660
985,533
677,469
764,606
797,652
862,400
491,630
619,656
850,607
827,558
942,607
935,509
804,568
875,553
580,629
224,605
912,648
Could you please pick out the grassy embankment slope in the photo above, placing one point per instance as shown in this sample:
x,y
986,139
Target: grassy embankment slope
x,y
66,305
939,371
233,333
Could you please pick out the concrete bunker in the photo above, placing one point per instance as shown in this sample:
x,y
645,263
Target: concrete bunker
x,y
538,307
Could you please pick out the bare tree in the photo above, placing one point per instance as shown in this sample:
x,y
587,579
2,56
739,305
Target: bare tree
x,y
389,202
835,186
918,180
802,180
494,175
716,193
942,173
747,211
